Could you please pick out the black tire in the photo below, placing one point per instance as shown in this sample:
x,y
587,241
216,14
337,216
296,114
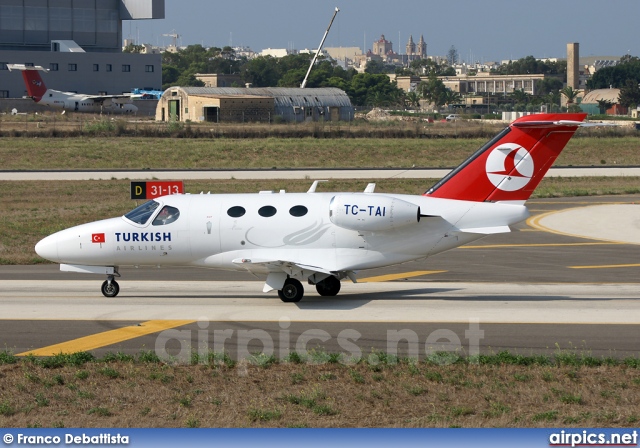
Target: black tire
x,y
328,287
110,290
292,291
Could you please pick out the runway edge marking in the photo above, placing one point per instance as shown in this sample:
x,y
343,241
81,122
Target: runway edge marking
x,y
107,338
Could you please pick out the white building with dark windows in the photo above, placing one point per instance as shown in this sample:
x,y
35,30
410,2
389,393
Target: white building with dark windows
x,y
79,42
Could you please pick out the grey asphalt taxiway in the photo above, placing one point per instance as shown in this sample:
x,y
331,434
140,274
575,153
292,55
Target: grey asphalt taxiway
x,y
566,279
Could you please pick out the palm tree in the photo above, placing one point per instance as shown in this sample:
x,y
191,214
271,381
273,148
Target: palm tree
x,y
519,96
570,94
413,99
451,97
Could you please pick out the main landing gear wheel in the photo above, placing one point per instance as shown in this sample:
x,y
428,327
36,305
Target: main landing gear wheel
x,y
292,291
330,286
110,288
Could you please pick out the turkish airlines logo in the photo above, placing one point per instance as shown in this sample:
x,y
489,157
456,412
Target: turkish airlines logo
x,y
37,83
97,238
509,167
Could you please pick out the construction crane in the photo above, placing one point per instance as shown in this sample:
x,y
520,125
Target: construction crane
x,y
175,37
313,61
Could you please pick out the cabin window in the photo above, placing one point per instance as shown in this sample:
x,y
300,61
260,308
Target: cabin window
x,y
267,211
166,216
236,211
142,213
298,210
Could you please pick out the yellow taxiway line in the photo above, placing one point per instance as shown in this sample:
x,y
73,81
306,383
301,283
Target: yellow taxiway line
x,y
497,246
107,338
390,277
609,266
534,222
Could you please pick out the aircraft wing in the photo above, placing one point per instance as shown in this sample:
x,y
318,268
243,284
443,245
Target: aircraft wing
x,y
103,98
260,265
279,270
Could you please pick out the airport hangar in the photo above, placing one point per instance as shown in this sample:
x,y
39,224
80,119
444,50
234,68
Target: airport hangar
x,y
79,42
260,104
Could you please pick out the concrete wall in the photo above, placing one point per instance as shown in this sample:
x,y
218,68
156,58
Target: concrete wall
x,y
231,109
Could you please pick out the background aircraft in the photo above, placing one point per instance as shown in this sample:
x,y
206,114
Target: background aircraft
x,y
76,102
322,238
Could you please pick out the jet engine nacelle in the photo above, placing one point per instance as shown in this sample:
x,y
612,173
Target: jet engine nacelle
x,y
370,212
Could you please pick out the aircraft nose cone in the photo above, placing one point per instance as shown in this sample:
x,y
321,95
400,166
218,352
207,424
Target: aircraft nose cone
x,y
47,248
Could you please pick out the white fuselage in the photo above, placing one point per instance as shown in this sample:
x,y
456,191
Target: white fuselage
x,y
331,231
83,103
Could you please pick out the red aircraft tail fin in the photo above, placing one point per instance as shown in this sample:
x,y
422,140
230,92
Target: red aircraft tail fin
x,y
512,164
34,83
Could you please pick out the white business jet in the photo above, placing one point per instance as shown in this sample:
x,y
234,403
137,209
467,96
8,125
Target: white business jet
x,y
322,238
77,102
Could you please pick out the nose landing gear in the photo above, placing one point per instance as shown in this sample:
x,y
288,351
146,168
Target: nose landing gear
x,y
110,287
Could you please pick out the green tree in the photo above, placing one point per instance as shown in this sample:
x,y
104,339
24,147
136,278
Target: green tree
x,y
368,89
548,85
570,94
429,67
530,65
131,48
434,91
629,94
378,67
181,66
261,72
520,96
604,105
452,55
413,99
170,75
451,97
616,76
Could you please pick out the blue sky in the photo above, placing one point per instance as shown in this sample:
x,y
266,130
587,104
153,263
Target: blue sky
x,y
481,30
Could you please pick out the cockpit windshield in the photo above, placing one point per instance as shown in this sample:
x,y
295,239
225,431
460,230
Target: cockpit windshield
x,y
166,216
142,213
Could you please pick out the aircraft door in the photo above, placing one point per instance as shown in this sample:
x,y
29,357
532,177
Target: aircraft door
x,y
174,110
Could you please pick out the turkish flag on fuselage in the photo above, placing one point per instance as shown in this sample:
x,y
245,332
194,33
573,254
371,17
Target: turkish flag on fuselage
x,y
97,238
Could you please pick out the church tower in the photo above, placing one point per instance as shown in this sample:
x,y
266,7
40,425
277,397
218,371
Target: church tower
x,y
411,48
422,48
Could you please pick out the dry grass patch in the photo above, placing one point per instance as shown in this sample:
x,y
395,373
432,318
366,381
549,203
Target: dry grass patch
x,y
498,391
90,151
